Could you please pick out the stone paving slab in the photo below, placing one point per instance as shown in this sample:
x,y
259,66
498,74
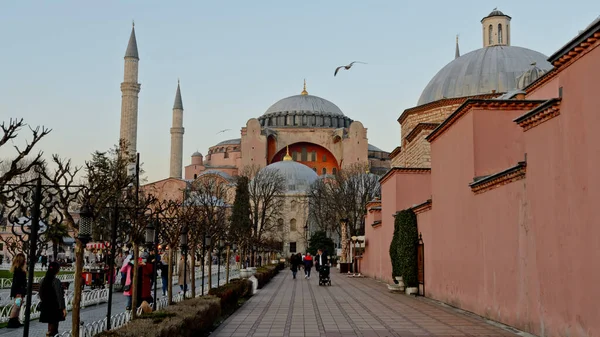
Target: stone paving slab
x,y
350,307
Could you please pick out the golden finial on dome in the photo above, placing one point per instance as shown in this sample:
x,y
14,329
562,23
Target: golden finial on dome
x,y
287,156
304,92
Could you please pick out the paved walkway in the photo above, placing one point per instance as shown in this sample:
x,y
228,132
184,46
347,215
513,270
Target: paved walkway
x,y
350,307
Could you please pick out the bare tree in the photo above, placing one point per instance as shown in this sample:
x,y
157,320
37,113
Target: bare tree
x,y
20,164
267,189
343,196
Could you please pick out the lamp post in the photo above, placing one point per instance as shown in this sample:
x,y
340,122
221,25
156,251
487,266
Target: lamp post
x,y
152,230
234,248
111,263
220,247
306,235
206,244
353,254
183,241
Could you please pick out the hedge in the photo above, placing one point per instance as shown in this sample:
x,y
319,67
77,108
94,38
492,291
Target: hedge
x,y
193,317
408,240
265,274
231,293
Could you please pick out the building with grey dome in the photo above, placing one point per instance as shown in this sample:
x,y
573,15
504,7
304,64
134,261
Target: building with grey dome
x,y
498,70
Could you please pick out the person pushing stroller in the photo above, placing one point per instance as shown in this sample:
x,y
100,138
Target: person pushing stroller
x,y
322,266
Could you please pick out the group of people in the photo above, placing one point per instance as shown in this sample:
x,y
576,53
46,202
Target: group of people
x,y
307,262
52,305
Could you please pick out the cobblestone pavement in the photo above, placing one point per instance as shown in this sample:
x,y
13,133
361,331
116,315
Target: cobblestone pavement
x,y
350,307
89,314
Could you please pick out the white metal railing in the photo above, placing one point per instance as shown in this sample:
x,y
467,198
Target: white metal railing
x,y
6,283
38,267
118,320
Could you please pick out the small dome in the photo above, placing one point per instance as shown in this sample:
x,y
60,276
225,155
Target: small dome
x,y
196,154
230,142
298,177
496,12
482,71
529,76
306,103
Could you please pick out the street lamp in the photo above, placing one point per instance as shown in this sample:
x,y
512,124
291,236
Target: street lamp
x,y
86,223
220,247
183,241
206,244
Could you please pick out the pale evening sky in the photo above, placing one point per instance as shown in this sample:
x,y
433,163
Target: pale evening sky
x,y
62,62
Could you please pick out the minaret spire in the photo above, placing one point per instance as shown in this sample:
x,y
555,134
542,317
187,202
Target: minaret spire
x,y
176,164
130,88
457,52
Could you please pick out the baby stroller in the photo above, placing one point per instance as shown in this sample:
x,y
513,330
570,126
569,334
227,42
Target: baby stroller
x,y
324,279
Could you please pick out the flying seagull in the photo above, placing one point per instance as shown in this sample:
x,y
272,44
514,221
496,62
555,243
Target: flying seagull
x,y
223,131
346,67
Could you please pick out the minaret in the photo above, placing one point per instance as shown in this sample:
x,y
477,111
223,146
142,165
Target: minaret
x,y
130,88
177,137
457,52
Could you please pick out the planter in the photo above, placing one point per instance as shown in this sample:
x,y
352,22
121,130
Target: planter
x,y
395,288
412,290
345,267
400,282
245,273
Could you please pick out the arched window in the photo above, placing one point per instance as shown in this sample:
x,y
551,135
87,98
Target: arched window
x,y
293,205
280,225
499,33
334,171
324,171
490,34
195,176
293,225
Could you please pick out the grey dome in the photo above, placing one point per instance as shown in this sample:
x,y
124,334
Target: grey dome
x,y
230,142
529,76
481,71
196,154
298,177
306,103
304,111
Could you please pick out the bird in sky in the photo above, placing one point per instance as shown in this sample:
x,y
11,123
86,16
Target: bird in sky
x,y
223,131
346,67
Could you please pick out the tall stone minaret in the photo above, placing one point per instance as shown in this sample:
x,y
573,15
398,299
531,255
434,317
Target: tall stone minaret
x,y
130,88
177,137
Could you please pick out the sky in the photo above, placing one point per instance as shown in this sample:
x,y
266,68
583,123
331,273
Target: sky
x,y
62,63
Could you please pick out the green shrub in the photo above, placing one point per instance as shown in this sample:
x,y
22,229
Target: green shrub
x,y
408,240
193,317
265,274
394,255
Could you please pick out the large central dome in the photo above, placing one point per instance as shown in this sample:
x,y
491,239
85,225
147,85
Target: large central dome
x,y
304,110
306,103
483,71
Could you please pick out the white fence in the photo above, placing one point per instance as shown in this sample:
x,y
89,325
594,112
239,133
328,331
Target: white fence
x,y
6,283
118,320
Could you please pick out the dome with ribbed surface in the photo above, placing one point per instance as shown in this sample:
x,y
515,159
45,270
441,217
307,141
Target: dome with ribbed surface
x,y
307,103
482,71
529,76
298,177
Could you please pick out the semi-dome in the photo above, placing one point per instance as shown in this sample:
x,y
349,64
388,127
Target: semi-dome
x,y
483,71
529,76
304,110
298,177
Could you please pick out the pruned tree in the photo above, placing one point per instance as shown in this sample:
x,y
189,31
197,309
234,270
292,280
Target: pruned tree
x,y
171,220
267,189
20,164
208,197
241,221
343,196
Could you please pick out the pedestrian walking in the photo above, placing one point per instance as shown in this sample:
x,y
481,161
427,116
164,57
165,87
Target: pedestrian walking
x,y
53,308
259,260
127,269
180,271
145,273
308,264
295,262
18,289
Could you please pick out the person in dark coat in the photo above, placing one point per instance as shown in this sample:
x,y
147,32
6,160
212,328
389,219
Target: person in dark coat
x,y
295,262
321,259
53,306
18,289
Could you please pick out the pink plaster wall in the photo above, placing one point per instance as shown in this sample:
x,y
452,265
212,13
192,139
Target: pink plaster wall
x,y
498,143
399,191
546,91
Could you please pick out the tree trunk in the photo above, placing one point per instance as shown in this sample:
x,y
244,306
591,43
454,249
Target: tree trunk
x,y
77,291
227,272
344,242
209,267
193,270
170,280
55,250
134,284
